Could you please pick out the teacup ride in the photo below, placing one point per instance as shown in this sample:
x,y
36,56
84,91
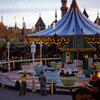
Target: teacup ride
x,y
69,82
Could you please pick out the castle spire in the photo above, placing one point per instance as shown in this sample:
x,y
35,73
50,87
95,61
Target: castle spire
x,y
15,22
64,8
39,24
2,18
39,15
98,14
97,21
24,31
85,13
74,6
55,15
24,25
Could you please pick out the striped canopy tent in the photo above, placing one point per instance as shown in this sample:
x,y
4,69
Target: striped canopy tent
x,y
73,22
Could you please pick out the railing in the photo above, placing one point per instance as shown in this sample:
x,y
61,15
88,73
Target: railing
x,y
43,59
2,75
23,61
46,60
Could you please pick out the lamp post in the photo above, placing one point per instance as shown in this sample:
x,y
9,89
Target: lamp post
x,y
8,46
33,51
41,51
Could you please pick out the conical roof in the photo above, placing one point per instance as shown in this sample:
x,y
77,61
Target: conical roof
x,y
97,21
78,43
85,13
73,19
39,22
3,31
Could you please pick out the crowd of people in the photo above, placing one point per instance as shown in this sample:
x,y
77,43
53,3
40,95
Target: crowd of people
x,y
19,53
62,73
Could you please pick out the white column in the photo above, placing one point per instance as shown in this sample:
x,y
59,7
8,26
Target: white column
x,y
33,51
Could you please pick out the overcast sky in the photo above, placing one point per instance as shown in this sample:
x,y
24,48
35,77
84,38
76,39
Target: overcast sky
x,y
30,10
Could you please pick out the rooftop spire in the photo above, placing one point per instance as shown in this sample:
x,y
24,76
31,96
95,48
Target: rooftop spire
x,y
24,32
55,15
2,18
39,14
23,19
98,14
97,21
64,7
74,6
85,13
24,25
15,22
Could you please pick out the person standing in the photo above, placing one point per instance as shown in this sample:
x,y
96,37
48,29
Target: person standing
x,y
86,60
23,84
95,58
42,80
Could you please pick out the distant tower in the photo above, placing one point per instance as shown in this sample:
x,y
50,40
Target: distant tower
x,y
64,8
15,23
24,31
2,18
39,26
24,25
55,15
97,21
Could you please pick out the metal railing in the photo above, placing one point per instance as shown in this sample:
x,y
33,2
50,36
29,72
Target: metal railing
x,y
3,75
46,60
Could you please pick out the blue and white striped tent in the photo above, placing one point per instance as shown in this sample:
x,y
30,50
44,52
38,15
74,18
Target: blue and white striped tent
x,y
73,22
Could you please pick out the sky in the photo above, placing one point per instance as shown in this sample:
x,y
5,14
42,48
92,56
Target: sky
x,y
31,9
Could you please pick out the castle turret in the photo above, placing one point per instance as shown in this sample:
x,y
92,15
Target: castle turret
x,y
24,32
64,8
55,15
85,13
97,21
15,24
39,26
2,18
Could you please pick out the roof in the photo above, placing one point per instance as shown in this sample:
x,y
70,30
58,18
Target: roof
x,y
23,32
39,22
3,31
78,43
85,13
97,21
73,19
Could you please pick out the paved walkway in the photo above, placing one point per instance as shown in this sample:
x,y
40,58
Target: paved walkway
x,y
9,94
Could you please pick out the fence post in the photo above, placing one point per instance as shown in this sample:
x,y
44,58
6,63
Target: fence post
x,y
33,84
51,86
45,62
2,81
13,65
